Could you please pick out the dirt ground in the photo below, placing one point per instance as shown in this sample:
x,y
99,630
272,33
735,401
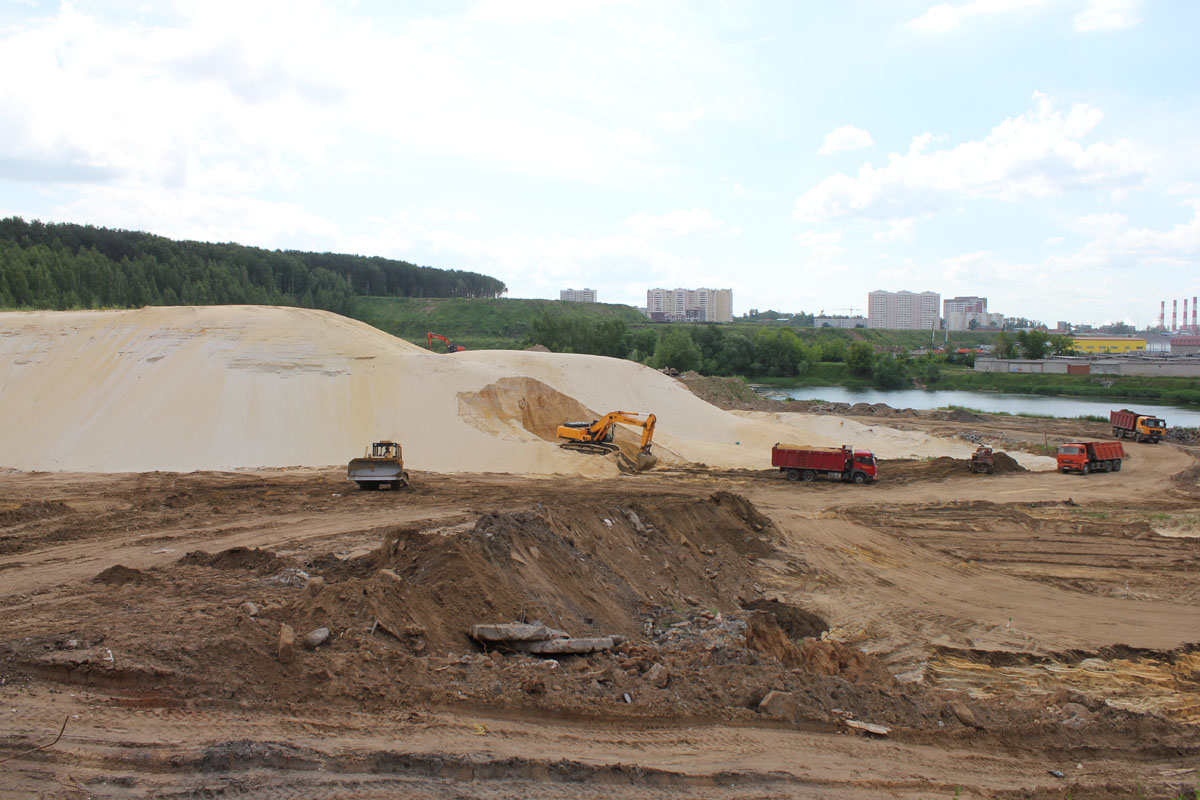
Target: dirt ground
x,y
1016,635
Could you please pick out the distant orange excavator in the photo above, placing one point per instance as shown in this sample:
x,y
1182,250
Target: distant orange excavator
x,y
450,346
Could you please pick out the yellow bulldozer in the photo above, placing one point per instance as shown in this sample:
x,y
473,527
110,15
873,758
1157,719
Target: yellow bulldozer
x,y
382,465
596,438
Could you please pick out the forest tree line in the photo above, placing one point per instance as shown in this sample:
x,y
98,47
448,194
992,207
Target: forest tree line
x,y
61,266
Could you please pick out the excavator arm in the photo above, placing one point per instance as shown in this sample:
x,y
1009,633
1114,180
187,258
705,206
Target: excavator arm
x,y
450,346
597,437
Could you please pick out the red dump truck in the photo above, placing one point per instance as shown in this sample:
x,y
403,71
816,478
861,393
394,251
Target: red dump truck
x,y
800,462
1085,457
1128,424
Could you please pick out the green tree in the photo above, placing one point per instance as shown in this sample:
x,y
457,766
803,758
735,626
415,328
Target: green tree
x,y
1062,344
929,370
1033,344
889,373
1005,347
676,349
833,350
860,358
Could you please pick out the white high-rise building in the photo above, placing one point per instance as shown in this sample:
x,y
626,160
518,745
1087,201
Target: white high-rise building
x,y
696,305
577,295
903,310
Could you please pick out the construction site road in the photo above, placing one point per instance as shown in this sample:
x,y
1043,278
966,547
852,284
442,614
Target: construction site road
x,y
1013,635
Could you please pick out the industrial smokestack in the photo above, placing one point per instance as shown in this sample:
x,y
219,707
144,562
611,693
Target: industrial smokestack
x,y
1162,316
1194,328
1174,315
1184,315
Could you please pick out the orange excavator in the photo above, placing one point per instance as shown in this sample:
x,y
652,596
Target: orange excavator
x,y
596,437
450,346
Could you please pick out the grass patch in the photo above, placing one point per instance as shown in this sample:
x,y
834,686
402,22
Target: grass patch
x,y
1030,414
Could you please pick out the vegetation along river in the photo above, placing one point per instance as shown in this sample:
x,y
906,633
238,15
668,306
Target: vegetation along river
x,y
989,402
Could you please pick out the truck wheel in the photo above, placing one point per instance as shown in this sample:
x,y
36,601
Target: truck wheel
x,y
793,474
859,478
1117,432
1084,470
809,476
1117,465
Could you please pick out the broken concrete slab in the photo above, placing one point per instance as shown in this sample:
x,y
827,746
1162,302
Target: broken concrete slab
x,y
868,727
506,632
565,646
780,705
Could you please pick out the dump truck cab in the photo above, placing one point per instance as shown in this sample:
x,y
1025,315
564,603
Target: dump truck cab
x,y
864,462
1151,429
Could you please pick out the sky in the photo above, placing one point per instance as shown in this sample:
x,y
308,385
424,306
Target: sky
x,y
1042,153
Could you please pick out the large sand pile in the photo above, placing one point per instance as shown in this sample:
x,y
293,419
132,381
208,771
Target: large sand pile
x,y
226,387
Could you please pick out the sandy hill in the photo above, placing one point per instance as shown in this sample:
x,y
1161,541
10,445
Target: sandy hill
x,y
224,387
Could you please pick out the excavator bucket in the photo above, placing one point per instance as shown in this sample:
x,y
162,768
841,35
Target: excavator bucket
x,y
646,461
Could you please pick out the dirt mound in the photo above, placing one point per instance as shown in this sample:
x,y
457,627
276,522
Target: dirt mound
x,y
15,513
590,569
120,575
1006,463
252,559
795,622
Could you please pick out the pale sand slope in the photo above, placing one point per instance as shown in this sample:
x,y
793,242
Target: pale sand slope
x,y
227,387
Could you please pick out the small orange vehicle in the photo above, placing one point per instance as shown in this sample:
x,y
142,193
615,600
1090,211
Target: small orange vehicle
x,y
1085,457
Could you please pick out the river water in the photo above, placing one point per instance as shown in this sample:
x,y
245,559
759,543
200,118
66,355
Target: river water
x,y
985,401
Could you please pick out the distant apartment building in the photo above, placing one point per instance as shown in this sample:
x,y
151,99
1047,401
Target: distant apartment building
x,y
903,310
973,320
839,322
969,313
690,305
578,295
965,304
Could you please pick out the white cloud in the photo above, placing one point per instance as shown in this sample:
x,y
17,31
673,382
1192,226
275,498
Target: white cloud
x,y
203,216
846,137
900,230
1107,15
945,17
1037,154
681,120
1118,244
1097,15
182,93
682,222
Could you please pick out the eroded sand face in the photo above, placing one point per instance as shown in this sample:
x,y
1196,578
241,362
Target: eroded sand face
x,y
228,387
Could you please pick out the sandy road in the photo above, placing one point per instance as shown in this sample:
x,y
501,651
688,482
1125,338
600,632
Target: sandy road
x,y
892,589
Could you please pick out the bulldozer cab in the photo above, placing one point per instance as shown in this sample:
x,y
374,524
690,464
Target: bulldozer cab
x,y
385,450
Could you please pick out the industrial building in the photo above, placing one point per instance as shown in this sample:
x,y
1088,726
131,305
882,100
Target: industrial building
x,y
690,305
903,310
1176,326
839,322
1142,365
1087,345
578,295
1185,345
